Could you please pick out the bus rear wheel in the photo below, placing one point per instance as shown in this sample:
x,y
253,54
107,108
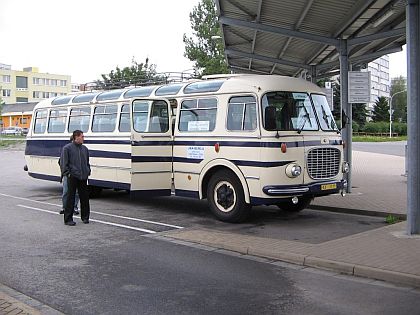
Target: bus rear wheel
x,y
226,197
289,206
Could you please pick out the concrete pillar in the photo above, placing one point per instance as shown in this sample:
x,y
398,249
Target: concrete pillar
x,y
413,116
346,107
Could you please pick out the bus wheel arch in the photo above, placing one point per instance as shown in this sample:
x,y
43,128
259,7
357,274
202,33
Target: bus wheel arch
x,y
219,165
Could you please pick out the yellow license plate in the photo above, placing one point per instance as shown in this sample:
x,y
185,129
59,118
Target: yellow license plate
x,y
328,186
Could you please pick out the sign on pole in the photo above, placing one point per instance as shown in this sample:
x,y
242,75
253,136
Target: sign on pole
x,y
359,87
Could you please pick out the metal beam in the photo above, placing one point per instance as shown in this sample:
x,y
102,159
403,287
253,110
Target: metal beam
x,y
255,32
413,116
249,70
242,8
264,58
278,30
362,58
383,35
346,106
297,26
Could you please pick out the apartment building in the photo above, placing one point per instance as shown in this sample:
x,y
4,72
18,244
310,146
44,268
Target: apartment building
x,y
30,85
380,81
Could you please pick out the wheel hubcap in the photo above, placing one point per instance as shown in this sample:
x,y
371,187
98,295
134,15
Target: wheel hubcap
x,y
224,196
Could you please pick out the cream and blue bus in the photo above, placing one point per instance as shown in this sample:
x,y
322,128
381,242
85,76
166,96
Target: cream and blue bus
x,y
235,140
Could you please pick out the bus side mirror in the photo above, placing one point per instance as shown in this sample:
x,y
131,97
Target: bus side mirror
x,y
270,118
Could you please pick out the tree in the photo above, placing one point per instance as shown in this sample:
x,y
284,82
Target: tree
x,y
380,110
136,74
399,101
359,113
207,53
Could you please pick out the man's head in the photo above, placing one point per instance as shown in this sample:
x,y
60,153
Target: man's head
x,y
78,136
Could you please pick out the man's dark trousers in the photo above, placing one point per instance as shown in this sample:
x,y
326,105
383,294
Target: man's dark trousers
x,y
81,185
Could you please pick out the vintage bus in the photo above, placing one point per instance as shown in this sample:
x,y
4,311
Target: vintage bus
x,y
235,140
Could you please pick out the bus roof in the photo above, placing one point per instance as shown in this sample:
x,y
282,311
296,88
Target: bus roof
x,y
245,83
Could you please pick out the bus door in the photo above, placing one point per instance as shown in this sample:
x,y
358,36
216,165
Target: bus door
x,y
151,148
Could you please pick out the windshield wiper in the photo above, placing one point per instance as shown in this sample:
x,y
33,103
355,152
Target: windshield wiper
x,y
304,123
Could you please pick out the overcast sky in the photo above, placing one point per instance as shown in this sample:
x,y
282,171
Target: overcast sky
x,y
87,38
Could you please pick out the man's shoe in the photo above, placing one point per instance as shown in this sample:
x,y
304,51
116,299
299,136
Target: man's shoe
x,y
76,212
62,211
85,221
70,223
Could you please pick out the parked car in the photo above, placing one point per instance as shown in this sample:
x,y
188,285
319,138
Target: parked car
x,y
25,131
17,131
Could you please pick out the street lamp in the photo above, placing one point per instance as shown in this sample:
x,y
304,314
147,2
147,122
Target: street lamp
x,y
391,111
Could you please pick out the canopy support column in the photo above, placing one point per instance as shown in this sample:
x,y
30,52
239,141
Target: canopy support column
x,y
346,110
413,116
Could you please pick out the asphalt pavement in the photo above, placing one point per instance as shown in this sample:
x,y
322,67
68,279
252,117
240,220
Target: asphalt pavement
x,y
169,255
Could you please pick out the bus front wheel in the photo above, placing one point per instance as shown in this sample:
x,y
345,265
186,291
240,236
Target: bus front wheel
x,y
226,197
289,206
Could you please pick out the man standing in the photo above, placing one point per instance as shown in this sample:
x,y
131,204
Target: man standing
x,y
75,166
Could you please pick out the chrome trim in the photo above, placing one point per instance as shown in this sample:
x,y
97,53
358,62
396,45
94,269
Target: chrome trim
x,y
185,172
148,172
111,167
252,177
288,190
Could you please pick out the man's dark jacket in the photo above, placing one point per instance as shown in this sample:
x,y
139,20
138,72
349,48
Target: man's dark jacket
x,y
74,161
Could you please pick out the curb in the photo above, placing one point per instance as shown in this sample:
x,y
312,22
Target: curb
x,y
14,302
310,261
372,213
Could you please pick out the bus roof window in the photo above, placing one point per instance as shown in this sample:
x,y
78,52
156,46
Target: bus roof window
x,y
84,98
109,95
139,92
171,89
61,100
201,87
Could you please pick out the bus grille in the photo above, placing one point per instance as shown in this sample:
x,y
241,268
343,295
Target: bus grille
x,y
323,163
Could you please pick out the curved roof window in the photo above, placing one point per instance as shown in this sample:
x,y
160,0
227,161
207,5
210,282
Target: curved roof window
x,y
171,89
84,98
141,91
203,86
61,100
109,95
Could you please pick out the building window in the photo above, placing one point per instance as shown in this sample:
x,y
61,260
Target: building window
x,y
53,82
6,93
45,94
63,82
47,81
21,100
6,78
21,82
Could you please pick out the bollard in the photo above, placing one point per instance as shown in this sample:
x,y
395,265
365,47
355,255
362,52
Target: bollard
x,y
406,161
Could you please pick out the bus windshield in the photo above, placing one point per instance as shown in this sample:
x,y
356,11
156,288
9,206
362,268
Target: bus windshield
x,y
293,111
323,111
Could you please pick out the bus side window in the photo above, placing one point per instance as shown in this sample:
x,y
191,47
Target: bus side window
x,y
198,115
242,113
40,121
125,118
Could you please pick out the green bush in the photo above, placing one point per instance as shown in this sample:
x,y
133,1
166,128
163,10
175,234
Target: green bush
x,y
355,126
400,128
383,127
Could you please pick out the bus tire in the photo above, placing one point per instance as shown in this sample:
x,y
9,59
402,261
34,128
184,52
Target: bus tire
x,y
94,191
226,199
289,206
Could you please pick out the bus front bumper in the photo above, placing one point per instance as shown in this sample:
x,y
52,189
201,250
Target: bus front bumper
x,y
312,189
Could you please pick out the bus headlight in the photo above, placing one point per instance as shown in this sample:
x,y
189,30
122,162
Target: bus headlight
x,y
346,167
293,170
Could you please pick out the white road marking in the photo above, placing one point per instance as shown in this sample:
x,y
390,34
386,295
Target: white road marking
x,y
94,220
101,213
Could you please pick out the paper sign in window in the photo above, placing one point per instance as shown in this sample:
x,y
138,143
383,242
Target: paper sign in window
x,y
199,125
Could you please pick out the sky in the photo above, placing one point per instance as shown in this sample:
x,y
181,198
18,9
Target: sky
x,y
85,39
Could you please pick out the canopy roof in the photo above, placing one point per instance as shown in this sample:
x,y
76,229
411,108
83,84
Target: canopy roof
x,y
295,37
